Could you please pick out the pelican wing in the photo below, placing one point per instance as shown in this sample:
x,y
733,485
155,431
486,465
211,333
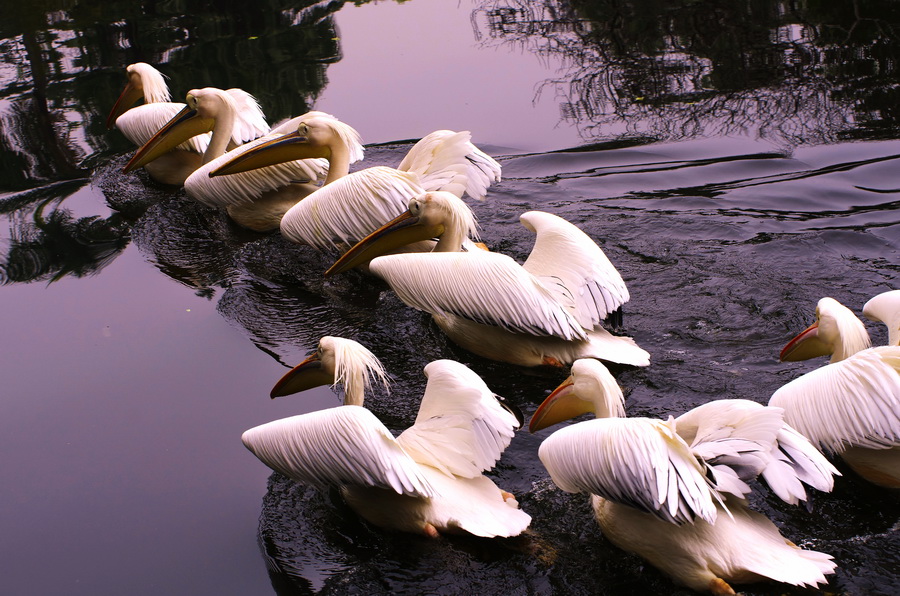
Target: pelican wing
x,y
854,402
485,287
575,269
249,122
461,429
350,208
334,447
140,123
634,461
244,187
447,160
740,439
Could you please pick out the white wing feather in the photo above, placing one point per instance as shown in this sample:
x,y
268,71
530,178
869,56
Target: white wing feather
x,y
447,160
571,265
140,123
350,208
244,187
334,447
249,122
633,461
485,287
740,440
460,429
854,402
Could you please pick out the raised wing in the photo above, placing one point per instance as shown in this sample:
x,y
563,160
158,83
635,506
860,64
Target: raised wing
x,y
740,440
447,160
334,447
350,208
634,461
461,428
485,287
574,268
249,122
854,402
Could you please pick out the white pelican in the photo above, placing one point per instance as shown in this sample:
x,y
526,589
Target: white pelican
x,y
851,406
836,332
351,205
547,311
429,479
140,123
885,307
673,491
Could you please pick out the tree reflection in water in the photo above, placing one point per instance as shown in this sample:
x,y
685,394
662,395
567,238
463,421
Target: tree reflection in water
x,y
788,72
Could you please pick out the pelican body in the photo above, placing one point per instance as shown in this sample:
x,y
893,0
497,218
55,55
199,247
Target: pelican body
x,y
851,406
548,311
140,123
349,206
674,491
429,479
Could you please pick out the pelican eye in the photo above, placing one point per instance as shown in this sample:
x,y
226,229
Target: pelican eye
x,y
415,207
303,129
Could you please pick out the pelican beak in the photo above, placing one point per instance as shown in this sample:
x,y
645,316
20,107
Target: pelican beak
x,y
404,229
805,345
562,404
129,96
288,147
306,375
186,124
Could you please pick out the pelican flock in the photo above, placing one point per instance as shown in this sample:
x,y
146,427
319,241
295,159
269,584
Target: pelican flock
x,y
674,491
140,123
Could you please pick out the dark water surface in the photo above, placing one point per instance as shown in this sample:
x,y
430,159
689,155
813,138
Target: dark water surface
x,y
736,160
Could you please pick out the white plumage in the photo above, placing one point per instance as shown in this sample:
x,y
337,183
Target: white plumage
x,y
851,406
351,205
547,311
429,479
673,491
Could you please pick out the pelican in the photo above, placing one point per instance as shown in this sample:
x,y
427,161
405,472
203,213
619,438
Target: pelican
x,y
547,311
885,307
428,479
674,491
836,332
140,123
851,406
351,205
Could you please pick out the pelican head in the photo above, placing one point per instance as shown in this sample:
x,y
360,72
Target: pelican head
x,y
885,307
435,214
143,81
199,115
836,332
589,388
317,135
335,361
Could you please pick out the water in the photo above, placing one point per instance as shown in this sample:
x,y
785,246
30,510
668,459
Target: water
x,y
143,332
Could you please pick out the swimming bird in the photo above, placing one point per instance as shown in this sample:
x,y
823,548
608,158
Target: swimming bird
x,y
547,311
140,123
351,205
836,332
851,406
426,480
674,491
